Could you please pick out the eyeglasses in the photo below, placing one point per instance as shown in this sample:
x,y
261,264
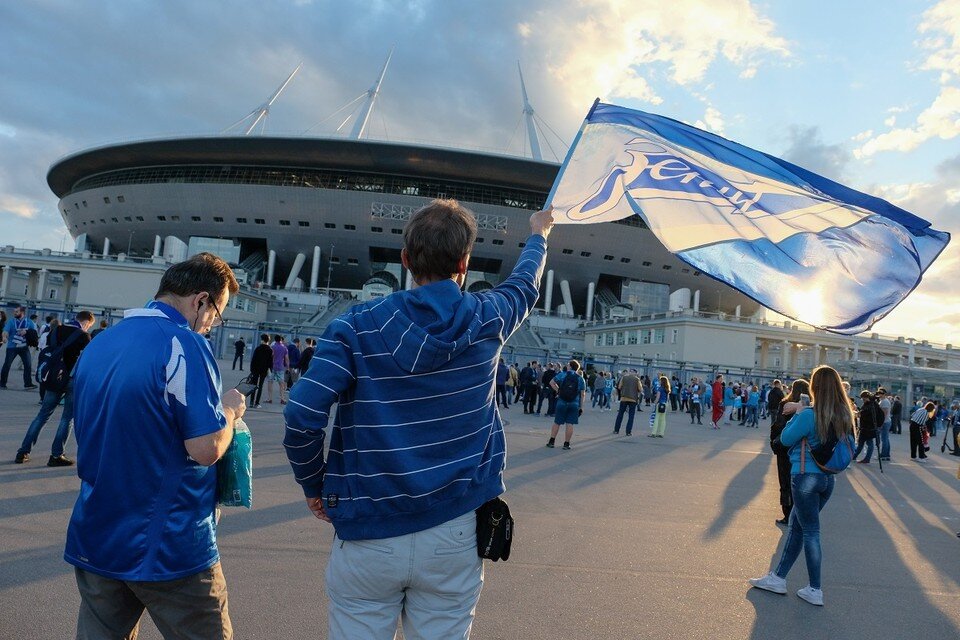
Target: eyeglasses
x,y
218,321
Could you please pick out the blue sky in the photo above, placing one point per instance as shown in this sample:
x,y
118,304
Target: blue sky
x,y
864,92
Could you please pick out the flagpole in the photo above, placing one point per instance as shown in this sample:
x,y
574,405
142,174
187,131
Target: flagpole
x,y
573,146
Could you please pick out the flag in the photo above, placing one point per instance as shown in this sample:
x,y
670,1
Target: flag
x,y
796,242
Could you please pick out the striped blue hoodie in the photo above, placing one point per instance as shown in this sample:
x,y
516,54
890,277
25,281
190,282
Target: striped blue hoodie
x,y
417,439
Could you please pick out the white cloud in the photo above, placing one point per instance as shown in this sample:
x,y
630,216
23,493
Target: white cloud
x,y
863,135
939,120
892,120
20,207
748,73
941,26
524,29
613,48
712,120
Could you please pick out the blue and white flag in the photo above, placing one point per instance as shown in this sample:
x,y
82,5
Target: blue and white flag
x,y
796,242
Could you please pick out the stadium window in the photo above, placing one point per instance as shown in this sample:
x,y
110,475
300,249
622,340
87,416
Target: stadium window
x,y
106,200
497,241
329,225
259,221
121,199
353,261
376,229
684,270
195,218
84,224
84,203
396,232
174,218
242,220
303,223
76,205
625,260
53,294
350,227
139,218
128,218
102,221
284,223
646,264
667,267
479,240
114,220
522,244
567,252
217,219
334,260
608,257
674,334
584,254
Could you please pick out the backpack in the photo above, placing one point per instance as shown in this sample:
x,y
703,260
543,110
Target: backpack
x,y
569,387
52,371
832,456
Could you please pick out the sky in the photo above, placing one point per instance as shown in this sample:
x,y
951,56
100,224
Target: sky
x,y
864,92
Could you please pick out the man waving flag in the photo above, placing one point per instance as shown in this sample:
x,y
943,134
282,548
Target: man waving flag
x,y
796,242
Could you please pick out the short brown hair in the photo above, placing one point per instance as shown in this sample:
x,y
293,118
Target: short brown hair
x,y
574,365
202,273
85,316
437,237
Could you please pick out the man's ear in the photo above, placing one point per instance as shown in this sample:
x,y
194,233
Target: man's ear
x,y
462,265
404,260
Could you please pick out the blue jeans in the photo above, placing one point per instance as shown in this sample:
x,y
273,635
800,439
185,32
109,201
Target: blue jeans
x,y
12,354
50,401
885,440
751,415
630,407
431,580
810,492
869,443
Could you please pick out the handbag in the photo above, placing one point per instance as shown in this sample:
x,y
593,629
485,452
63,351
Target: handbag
x,y
494,530
662,407
235,470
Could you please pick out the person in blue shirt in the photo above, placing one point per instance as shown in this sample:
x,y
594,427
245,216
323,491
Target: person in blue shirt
x,y
149,430
571,390
829,417
753,407
15,335
417,442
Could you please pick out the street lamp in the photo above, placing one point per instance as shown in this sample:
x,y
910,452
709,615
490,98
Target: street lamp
x,y
129,242
329,273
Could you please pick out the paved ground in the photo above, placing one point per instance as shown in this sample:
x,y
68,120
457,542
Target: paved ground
x,y
618,538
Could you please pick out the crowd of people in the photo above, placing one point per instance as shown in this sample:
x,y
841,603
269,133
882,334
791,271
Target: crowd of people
x,y
416,452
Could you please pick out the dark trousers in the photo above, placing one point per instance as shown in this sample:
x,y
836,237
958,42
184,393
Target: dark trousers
x,y
236,357
261,377
631,409
695,412
17,352
896,425
916,440
546,394
529,397
189,608
502,398
673,402
783,476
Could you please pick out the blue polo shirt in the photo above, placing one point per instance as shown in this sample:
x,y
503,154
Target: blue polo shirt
x,y
15,340
145,511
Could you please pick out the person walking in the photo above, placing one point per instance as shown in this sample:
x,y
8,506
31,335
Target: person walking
x,y
753,407
774,398
830,417
260,364
293,358
800,387
918,424
278,369
716,396
502,378
417,445
896,416
15,334
546,391
696,402
869,419
659,425
239,348
306,355
571,390
149,430
887,408
68,342
629,388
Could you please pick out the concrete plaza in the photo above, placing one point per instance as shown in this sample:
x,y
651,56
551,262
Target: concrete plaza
x,y
618,538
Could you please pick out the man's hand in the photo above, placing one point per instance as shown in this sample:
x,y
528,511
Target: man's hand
x,y
790,408
234,404
542,222
316,508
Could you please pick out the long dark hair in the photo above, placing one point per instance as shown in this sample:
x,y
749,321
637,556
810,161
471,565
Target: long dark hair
x,y
799,386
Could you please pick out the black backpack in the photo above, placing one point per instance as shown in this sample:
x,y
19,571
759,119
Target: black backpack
x,y
569,387
52,371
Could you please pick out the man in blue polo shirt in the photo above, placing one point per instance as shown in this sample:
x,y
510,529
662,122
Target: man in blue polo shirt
x,y
15,335
149,429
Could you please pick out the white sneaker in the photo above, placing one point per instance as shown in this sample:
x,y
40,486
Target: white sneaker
x,y
811,595
771,582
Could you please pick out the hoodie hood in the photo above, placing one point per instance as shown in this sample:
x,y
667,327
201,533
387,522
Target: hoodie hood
x,y
426,327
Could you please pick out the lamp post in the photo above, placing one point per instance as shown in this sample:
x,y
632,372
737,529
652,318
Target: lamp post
x,y
129,242
329,274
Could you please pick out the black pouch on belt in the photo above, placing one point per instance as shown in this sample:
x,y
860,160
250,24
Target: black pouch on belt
x,y
494,530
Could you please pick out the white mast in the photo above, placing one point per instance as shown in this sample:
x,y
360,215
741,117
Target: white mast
x,y
360,124
263,110
531,126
